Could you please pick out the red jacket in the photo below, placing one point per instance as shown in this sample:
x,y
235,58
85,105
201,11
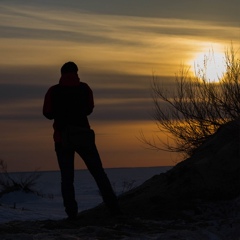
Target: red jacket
x,y
68,103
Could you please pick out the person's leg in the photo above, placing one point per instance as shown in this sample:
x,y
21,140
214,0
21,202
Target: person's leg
x,y
93,162
66,164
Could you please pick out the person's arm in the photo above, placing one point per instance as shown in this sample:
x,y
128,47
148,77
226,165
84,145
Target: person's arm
x,y
48,105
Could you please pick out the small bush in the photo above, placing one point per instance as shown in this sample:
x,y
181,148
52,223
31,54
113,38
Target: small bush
x,y
195,107
9,184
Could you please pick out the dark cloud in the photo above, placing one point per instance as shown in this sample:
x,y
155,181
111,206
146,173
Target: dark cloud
x,y
117,97
33,114
141,109
21,102
18,92
199,31
221,11
63,35
28,75
216,10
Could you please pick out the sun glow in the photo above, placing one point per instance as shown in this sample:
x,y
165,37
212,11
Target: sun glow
x,y
211,66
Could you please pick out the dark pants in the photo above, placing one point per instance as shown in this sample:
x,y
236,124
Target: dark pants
x,y
90,156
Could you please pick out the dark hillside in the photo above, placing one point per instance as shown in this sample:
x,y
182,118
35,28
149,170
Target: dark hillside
x,y
212,174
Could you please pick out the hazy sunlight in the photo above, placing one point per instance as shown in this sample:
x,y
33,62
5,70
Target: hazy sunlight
x,y
209,65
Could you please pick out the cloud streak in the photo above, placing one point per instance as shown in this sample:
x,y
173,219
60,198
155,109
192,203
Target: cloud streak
x,y
217,10
100,28
105,43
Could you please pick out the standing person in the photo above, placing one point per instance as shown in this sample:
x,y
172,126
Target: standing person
x,y
69,103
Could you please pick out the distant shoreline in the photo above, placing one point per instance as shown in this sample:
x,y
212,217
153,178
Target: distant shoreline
x,y
46,171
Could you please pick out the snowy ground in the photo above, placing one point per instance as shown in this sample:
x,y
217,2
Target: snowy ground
x,y
28,216
22,206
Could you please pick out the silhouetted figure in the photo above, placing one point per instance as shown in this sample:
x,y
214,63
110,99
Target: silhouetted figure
x,y
69,103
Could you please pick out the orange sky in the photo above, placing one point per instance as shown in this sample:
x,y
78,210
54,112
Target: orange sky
x,y
117,51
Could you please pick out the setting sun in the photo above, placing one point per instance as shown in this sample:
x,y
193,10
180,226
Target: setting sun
x,y
209,65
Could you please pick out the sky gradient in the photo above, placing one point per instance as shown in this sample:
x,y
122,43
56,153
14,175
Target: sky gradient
x,y
118,46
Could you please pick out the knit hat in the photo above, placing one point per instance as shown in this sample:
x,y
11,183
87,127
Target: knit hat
x,y
69,67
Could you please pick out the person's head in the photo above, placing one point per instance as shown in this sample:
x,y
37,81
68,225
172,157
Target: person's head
x,y
69,67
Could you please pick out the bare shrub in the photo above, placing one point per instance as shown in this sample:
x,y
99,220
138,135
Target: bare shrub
x,y
9,184
195,108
